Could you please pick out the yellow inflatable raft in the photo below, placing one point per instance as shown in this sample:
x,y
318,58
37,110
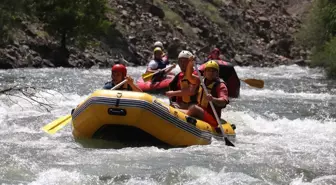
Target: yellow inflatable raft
x,y
134,117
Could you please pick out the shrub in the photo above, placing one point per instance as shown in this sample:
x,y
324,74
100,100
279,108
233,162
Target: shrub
x,y
73,20
318,33
326,57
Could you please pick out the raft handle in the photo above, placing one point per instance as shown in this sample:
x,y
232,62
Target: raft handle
x,y
116,112
191,120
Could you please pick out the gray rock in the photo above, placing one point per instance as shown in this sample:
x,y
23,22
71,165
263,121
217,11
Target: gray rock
x,y
238,59
124,13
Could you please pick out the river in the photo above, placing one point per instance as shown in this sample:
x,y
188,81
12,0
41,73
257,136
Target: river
x,y
286,134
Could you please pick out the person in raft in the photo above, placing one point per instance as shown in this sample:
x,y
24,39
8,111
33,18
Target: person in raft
x,y
182,90
214,55
157,64
164,55
119,73
227,73
218,94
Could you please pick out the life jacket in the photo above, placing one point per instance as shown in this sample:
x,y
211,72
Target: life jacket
x,y
161,64
201,98
181,79
125,87
164,57
229,75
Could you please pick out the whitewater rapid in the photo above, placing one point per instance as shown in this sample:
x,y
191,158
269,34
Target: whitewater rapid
x,y
286,134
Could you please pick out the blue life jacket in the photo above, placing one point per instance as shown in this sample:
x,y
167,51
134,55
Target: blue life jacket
x,y
110,85
161,64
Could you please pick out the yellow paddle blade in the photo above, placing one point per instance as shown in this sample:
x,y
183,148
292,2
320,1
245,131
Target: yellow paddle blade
x,y
147,76
254,82
57,124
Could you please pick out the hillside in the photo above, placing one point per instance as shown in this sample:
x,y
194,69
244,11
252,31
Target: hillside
x,y
249,32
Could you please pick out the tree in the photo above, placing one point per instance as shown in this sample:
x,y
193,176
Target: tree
x,y
329,17
72,20
10,11
319,34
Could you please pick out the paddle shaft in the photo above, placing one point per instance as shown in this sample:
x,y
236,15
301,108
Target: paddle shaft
x,y
169,67
59,123
119,85
146,78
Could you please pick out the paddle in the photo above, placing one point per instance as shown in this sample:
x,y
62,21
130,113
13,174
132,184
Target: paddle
x,y
254,82
148,76
59,123
227,141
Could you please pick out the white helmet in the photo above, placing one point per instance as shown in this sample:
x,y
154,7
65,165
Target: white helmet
x,y
185,54
158,44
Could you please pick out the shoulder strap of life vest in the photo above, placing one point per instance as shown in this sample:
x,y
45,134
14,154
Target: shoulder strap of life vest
x,y
201,97
211,88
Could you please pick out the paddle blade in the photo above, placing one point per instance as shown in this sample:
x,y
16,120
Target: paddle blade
x,y
254,83
228,142
57,124
147,76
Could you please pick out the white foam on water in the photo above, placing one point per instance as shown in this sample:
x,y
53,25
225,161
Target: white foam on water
x,y
309,143
18,108
280,72
323,180
201,175
329,179
3,112
267,93
140,181
56,176
301,129
274,145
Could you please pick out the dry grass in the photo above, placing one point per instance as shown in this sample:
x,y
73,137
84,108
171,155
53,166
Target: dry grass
x,y
209,10
175,19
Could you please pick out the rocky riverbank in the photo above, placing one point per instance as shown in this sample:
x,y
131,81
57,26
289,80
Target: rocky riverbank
x,y
249,32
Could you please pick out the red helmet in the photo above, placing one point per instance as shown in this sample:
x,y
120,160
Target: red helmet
x,y
214,51
119,68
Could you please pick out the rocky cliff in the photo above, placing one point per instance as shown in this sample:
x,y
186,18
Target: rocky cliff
x,y
248,32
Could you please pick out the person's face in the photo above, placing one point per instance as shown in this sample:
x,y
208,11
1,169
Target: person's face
x,y
117,77
157,54
183,63
215,55
210,73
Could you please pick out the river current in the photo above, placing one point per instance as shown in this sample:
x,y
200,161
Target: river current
x,y
286,134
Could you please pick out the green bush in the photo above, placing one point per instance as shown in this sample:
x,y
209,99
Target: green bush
x,y
76,21
313,32
318,33
329,18
10,11
326,57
